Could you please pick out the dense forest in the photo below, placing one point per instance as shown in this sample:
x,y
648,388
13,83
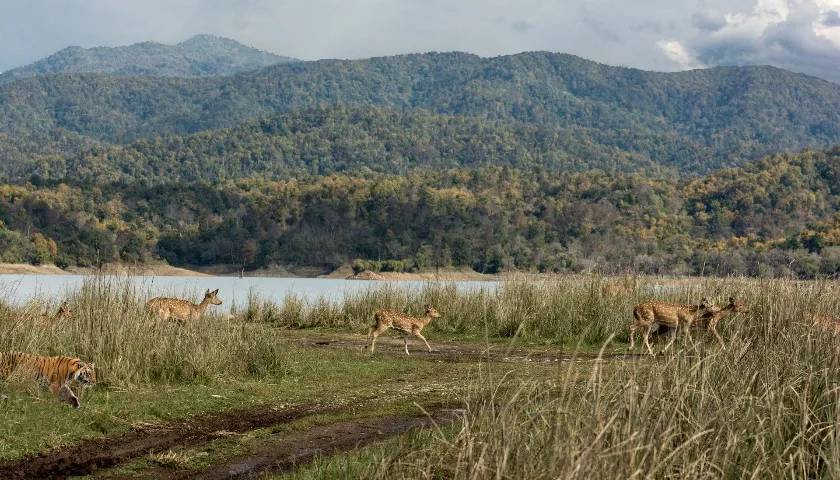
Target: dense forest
x,y
776,216
536,161
199,56
322,141
696,121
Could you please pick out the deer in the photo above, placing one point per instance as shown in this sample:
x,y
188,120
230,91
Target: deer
x,y
182,310
63,312
385,319
826,323
712,316
670,315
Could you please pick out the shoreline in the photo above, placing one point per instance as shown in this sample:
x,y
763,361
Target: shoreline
x,y
163,270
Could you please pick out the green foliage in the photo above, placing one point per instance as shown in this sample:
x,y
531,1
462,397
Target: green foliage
x,y
696,121
776,216
201,55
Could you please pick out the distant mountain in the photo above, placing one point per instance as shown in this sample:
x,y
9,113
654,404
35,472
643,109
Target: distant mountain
x,y
694,121
200,56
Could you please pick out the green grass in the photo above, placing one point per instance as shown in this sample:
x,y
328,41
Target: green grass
x,y
764,406
33,423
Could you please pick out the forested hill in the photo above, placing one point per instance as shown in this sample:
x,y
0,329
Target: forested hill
x,y
703,118
323,141
201,55
776,216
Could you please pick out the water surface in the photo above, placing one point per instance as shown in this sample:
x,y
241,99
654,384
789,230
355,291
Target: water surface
x,y
234,291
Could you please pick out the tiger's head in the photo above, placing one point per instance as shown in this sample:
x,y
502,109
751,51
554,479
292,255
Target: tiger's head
x,y
86,374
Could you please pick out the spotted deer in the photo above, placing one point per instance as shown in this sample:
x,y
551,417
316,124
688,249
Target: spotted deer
x,y
826,323
62,313
385,319
670,315
182,310
712,316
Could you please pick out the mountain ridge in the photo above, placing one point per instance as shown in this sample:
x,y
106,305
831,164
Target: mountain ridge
x,y
697,120
199,55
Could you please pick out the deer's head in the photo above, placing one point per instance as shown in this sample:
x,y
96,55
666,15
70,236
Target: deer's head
x,y
64,310
213,297
738,306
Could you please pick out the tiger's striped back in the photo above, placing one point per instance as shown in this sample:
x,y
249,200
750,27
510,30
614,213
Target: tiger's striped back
x,y
56,372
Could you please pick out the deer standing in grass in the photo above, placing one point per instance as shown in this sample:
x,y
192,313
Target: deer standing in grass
x,y
712,316
385,319
827,323
182,310
63,312
670,315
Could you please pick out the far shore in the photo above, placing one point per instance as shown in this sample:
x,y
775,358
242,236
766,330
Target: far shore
x,y
160,269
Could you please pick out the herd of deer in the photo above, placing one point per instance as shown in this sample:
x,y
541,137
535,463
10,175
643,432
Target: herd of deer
x,y
648,316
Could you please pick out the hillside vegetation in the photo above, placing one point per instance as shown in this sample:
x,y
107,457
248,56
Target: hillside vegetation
x,y
199,56
775,216
697,121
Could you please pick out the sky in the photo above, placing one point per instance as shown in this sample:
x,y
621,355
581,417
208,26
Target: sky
x,y
664,35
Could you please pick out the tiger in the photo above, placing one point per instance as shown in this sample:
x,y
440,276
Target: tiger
x,y
56,372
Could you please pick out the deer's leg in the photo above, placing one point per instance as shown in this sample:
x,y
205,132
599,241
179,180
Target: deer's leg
x,y
405,341
372,334
647,338
633,328
713,329
420,335
673,337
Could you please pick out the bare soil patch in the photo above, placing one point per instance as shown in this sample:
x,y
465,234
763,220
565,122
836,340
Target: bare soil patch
x,y
88,456
285,452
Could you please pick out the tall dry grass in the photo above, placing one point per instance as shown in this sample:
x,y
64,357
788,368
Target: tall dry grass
x,y
110,326
766,406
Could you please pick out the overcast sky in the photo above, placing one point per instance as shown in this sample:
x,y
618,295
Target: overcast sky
x,y
801,35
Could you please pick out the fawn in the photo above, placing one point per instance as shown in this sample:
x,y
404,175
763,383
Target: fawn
x,y
182,310
385,319
665,314
712,316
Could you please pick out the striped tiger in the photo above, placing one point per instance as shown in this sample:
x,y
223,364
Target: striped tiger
x,y
55,372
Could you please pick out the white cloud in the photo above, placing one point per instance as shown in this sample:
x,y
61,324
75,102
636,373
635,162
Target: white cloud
x,y
677,53
793,34
653,34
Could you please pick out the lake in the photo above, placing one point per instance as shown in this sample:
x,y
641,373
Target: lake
x,y
234,291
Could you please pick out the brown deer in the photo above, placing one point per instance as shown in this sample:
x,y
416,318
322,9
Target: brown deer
x,y
62,313
385,319
670,315
182,310
712,316
826,323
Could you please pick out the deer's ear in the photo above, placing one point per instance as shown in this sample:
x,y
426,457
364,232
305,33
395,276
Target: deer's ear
x,y
216,291
207,292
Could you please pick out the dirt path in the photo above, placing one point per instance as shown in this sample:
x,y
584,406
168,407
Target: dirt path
x,y
90,455
450,351
285,452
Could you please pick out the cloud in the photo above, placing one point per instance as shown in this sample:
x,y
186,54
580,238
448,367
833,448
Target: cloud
x,y
677,53
707,22
803,35
520,26
799,35
831,18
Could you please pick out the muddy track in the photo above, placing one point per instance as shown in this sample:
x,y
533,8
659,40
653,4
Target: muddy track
x,y
90,455
463,352
285,452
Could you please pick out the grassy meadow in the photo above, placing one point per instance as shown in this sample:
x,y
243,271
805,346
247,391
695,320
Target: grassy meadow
x,y
766,405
